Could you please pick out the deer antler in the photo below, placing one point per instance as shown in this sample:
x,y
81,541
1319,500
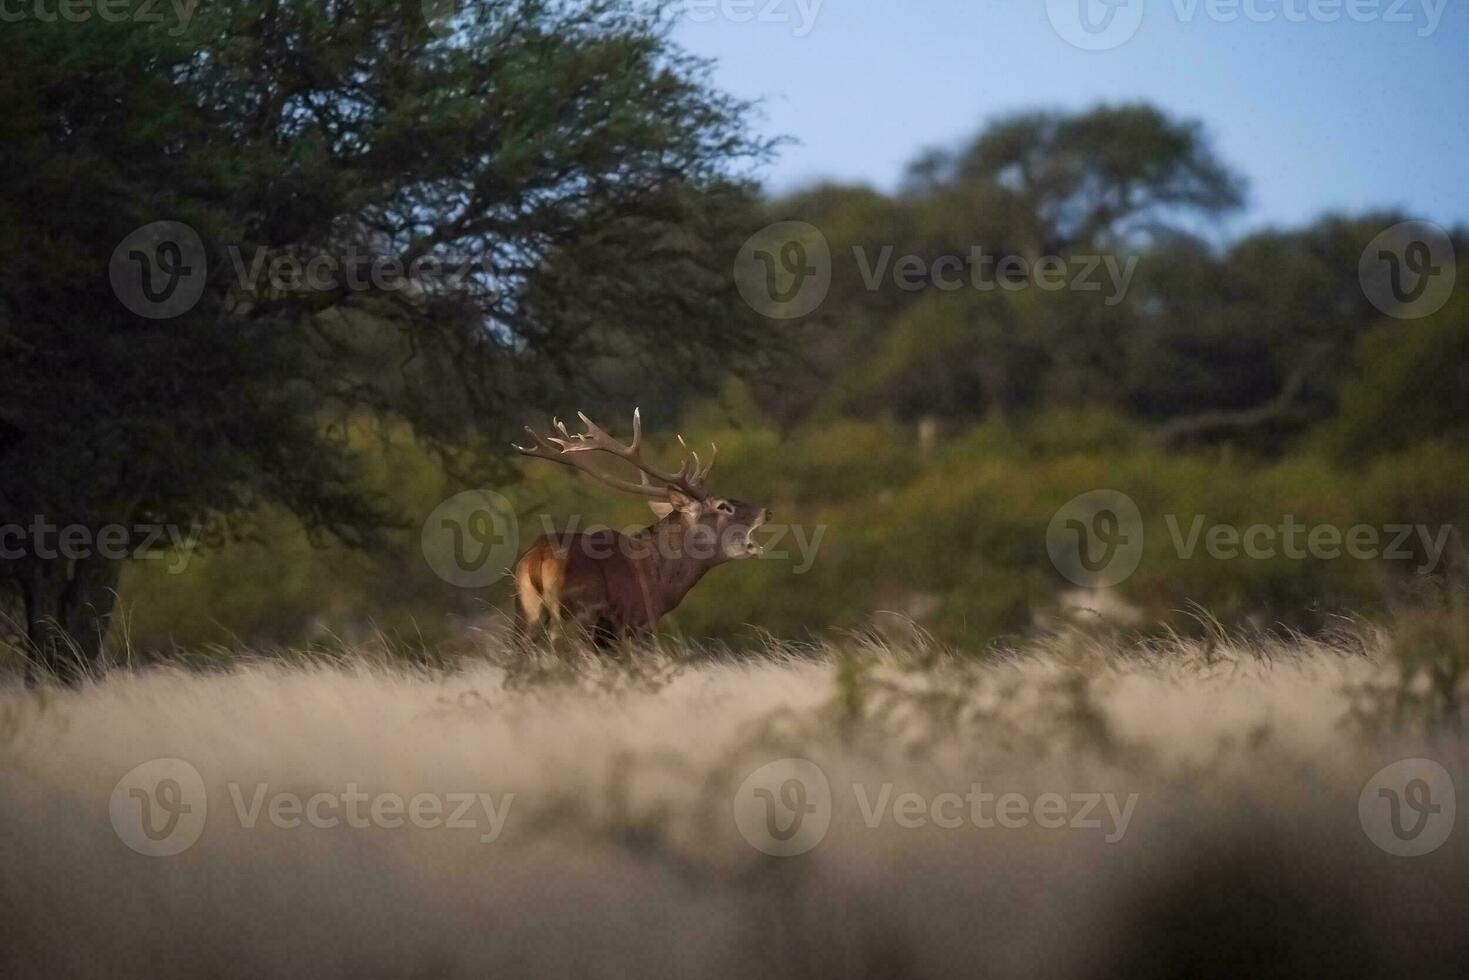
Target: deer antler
x,y
700,476
691,478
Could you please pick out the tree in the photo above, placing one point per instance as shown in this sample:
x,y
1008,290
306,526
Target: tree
x,y
1103,184
1410,384
447,223
1111,173
1253,345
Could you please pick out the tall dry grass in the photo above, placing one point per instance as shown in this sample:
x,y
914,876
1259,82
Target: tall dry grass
x,y
620,855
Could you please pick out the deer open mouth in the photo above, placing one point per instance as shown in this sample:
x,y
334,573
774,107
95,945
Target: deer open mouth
x,y
753,548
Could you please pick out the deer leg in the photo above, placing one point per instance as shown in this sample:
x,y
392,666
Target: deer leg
x,y
522,627
555,629
604,635
530,605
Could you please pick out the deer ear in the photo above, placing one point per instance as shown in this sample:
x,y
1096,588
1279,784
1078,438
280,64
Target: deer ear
x,y
660,508
678,501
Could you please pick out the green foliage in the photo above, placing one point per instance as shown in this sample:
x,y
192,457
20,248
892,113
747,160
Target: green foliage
x,y
917,442
1412,380
1247,344
571,171
953,537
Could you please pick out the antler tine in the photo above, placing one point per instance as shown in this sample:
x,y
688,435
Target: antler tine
x,y
597,438
691,452
537,445
700,475
557,451
685,447
594,431
566,447
703,475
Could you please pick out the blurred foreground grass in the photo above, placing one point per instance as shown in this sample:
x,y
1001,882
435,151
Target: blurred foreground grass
x,y
1236,840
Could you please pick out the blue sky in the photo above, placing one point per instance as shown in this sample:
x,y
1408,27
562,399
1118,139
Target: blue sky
x,y
1318,115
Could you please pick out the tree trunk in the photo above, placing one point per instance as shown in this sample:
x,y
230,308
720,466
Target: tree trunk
x,y
68,609
1286,409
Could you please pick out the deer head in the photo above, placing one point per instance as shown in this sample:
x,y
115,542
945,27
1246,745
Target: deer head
x,y
707,527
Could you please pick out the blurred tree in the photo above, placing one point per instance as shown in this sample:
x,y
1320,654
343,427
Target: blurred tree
x,y
1100,184
1252,346
1115,172
1410,385
562,154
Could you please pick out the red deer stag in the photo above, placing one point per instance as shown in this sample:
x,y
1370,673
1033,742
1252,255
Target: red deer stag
x,y
613,586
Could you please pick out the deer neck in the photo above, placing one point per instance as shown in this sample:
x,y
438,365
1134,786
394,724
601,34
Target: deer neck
x,y
668,568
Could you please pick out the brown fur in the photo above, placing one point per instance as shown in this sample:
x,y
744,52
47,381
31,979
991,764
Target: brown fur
x,y
608,586
614,586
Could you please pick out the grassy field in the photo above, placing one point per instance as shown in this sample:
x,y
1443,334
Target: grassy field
x,y
634,818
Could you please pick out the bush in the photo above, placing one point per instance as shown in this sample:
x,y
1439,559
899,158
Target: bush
x,y
952,537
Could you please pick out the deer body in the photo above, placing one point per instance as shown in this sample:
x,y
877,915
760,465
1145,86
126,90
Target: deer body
x,y
610,586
